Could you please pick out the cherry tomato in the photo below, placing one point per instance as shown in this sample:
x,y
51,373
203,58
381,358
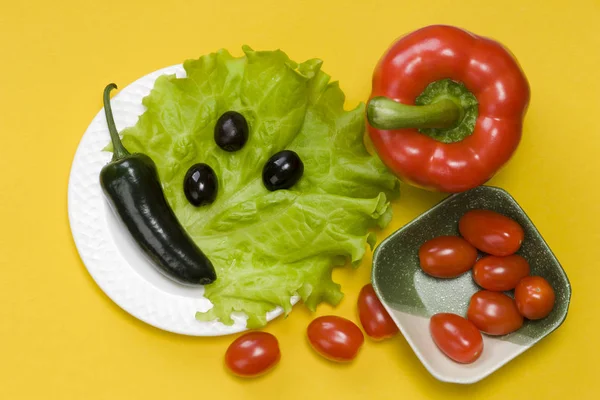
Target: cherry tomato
x,y
447,256
375,320
252,354
535,297
494,313
335,338
457,337
491,232
500,274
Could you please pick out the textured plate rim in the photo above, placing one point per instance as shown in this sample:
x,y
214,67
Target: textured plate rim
x,y
95,244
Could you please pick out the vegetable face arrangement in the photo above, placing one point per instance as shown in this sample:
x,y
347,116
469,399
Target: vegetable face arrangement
x,y
255,161
267,173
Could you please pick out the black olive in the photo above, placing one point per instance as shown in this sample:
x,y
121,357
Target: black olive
x,y
231,131
282,170
200,184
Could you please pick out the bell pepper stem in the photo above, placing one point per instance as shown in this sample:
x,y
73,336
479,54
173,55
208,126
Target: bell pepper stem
x,y
119,151
385,113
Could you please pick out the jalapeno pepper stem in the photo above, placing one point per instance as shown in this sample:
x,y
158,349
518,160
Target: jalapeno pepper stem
x,y
385,113
119,151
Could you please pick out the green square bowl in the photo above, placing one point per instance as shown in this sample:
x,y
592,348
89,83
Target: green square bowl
x,y
412,297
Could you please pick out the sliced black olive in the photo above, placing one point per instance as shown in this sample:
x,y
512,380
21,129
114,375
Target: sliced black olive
x,y
282,170
231,131
200,185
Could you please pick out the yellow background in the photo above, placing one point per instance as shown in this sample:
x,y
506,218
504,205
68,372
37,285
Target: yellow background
x,y
62,338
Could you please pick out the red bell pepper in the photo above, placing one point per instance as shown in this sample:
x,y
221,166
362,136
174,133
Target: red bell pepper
x,y
447,107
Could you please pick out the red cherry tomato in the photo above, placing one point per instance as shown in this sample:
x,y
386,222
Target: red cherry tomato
x,y
335,338
457,337
375,320
494,313
447,256
491,232
534,297
252,354
500,274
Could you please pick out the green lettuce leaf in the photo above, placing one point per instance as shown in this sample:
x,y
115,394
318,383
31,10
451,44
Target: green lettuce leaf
x,y
267,246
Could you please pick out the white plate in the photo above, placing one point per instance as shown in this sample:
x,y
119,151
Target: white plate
x,y
111,256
